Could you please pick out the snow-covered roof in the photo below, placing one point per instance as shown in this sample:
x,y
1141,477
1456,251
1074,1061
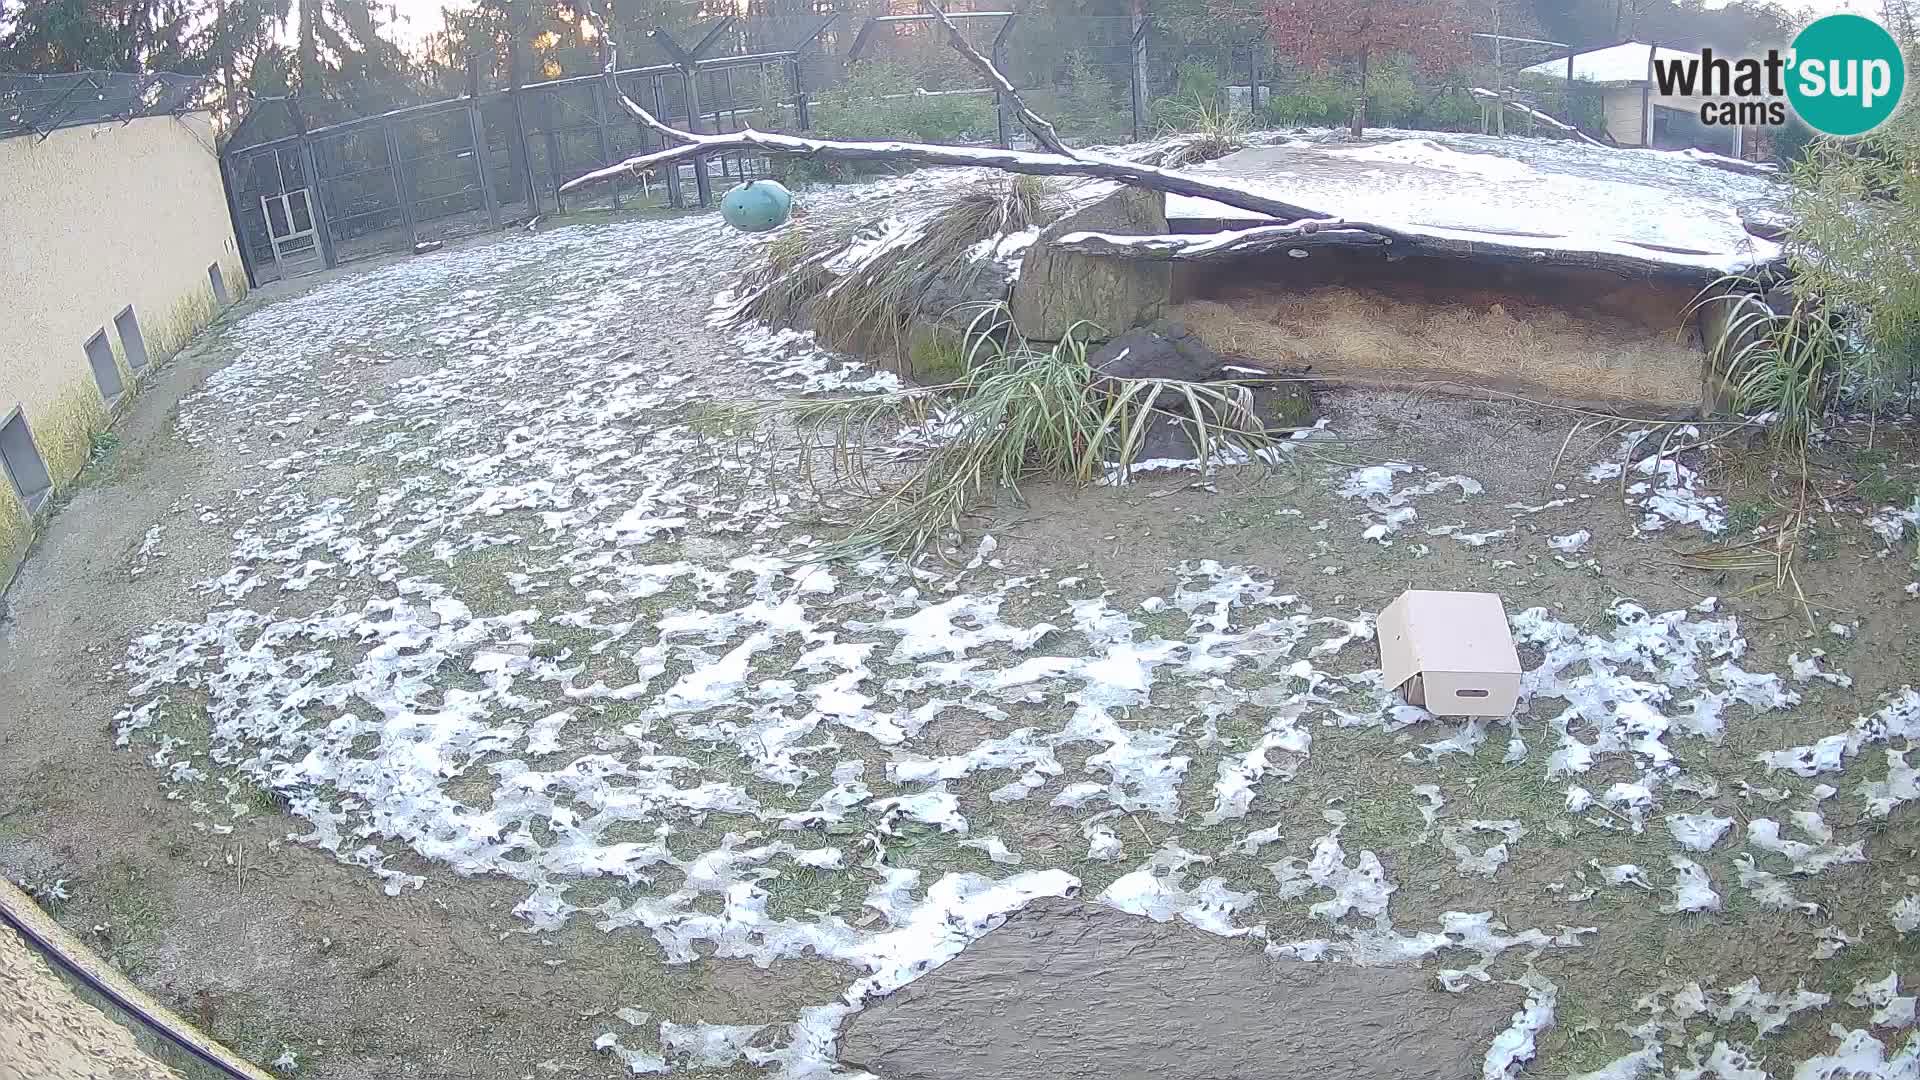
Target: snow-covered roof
x,y
1553,196
1623,63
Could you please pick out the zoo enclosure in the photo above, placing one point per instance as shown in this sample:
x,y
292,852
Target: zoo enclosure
x,y
306,197
318,196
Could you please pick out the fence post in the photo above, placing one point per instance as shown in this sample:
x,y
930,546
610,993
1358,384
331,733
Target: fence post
x,y
232,185
401,189
1137,71
600,134
689,64
551,141
478,134
310,161
702,185
309,167
519,170
1253,84
672,174
800,114
1001,105
1571,122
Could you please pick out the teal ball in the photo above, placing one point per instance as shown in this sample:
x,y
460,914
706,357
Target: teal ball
x,y
757,207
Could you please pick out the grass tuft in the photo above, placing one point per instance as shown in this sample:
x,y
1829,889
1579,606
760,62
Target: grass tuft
x,y
1018,412
1784,363
1212,127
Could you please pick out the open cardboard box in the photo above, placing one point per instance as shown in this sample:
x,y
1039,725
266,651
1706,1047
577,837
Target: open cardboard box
x,y
1451,653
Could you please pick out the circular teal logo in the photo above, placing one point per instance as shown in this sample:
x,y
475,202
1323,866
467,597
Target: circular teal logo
x,y
1847,75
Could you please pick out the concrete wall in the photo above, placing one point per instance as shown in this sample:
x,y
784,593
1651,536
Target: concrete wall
x,y
93,219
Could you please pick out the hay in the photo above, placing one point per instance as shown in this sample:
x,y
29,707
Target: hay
x,y
1476,337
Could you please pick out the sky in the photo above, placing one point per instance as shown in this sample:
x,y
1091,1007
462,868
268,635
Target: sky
x,y
421,18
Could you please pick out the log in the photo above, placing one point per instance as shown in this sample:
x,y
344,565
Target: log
x,y
1028,162
1300,235
1396,242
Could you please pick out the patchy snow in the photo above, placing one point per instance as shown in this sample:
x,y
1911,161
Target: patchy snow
x,y
1557,197
1670,494
555,633
1430,154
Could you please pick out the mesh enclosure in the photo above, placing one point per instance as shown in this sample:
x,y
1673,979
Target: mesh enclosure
x,y
39,104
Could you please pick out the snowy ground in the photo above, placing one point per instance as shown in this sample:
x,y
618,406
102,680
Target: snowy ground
x,y
500,602
1549,194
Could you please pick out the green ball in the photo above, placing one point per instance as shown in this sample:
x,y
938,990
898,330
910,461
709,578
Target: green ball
x,y
757,207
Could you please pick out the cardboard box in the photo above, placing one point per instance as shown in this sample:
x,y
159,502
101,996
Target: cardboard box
x,y
1450,652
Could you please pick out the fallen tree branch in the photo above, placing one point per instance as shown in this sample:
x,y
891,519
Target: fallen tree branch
x,y
1402,241
1313,232
1060,163
1042,130
1018,161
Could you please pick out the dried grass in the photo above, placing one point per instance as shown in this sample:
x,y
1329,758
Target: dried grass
x,y
872,309
1471,336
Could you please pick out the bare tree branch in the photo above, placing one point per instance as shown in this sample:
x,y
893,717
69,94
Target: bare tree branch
x,y
1032,121
1299,235
1306,236
1017,161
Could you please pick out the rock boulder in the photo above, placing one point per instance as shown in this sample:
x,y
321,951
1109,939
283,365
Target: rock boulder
x,y
1057,289
1166,350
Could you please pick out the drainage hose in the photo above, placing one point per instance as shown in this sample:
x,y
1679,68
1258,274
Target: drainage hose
x,y
79,963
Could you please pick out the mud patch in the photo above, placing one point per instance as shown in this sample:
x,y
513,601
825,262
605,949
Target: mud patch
x,y
1065,989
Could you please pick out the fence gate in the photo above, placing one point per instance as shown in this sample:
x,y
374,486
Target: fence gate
x,y
291,231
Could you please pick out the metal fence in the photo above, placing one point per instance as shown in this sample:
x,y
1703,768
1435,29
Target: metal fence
x,y
324,195
42,104
304,198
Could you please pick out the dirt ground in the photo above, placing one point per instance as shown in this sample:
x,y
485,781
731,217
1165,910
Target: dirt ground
x,y
518,425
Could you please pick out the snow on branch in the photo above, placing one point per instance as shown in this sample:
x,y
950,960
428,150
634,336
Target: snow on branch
x,y
1298,236
1303,236
1042,130
1061,162
1017,161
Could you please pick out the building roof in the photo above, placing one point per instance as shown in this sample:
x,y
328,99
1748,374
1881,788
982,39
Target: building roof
x,y
1622,64
38,104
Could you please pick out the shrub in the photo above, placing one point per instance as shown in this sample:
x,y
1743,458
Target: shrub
x,y
883,99
1314,100
1450,110
1322,99
1085,102
1196,87
1856,206
1015,413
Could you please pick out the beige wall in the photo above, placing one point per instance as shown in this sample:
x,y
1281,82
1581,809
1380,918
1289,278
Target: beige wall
x,y
1622,108
92,219
1624,118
